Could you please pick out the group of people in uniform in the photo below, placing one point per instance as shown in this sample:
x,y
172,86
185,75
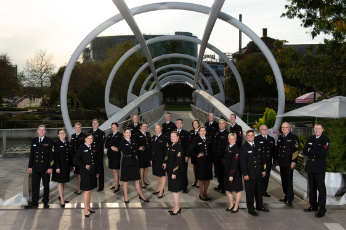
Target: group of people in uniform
x,y
209,146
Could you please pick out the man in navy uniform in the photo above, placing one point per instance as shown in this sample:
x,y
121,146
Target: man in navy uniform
x,y
267,144
135,126
237,129
220,145
168,127
98,146
41,164
253,169
211,126
286,157
316,150
184,141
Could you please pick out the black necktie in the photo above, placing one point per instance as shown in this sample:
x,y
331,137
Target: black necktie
x,y
265,137
40,140
155,138
203,140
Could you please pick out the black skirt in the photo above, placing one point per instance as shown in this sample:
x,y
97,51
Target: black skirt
x,y
157,169
204,169
88,182
114,161
76,169
143,160
236,185
176,184
129,172
62,177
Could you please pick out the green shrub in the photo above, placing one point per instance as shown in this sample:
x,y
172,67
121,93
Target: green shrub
x,y
334,129
268,119
4,117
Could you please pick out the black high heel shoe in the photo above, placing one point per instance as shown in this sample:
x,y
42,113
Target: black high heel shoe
x,y
91,211
202,198
146,183
78,193
176,213
140,198
157,192
87,215
235,210
126,201
115,191
65,201
229,209
62,205
170,211
162,194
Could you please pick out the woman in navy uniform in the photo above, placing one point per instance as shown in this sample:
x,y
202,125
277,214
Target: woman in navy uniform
x,y
196,124
159,156
77,139
129,165
201,147
143,140
233,181
63,163
85,159
114,154
174,170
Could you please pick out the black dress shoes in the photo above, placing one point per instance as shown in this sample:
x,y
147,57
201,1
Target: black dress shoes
x,y
289,203
283,200
31,206
229,209
78,193
310,209
146,200
266,194
100,189
184,190
176,213
253,213
235,211
112,187
45,205
319,215
91,211
263,209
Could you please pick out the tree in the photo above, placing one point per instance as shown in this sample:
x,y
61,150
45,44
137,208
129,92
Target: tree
x,y
10,82
92,95
126,71
326,70
38,72
253,71
172,47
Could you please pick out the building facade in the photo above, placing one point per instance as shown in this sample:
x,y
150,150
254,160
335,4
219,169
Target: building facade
x,y
98,47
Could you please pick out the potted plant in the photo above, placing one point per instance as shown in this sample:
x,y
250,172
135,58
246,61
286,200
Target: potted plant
x,y
334,129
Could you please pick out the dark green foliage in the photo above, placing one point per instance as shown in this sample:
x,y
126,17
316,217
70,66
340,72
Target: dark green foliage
x,y
92,96
334,129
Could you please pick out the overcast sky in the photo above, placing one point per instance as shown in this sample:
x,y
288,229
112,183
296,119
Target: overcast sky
x,y
59,26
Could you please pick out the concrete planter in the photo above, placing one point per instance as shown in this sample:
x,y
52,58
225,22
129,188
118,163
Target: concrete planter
x,y
335,183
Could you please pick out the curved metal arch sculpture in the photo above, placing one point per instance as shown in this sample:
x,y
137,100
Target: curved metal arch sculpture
x,y
175,73
166,6
174,66
178,79
168,38
185,56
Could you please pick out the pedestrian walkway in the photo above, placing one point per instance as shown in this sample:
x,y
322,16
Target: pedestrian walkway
x,y
26,102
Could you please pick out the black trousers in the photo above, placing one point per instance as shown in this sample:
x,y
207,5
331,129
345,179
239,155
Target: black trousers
x,y
253,189
184,180
220,171
265,180
286,174
35,183
316,182
101,171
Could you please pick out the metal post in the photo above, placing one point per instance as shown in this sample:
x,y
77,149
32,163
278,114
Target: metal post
x,y
247,118
240,45
4,141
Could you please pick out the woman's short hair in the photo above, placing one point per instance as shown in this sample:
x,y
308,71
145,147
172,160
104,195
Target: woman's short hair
x,y
115,123
199,123
232,135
